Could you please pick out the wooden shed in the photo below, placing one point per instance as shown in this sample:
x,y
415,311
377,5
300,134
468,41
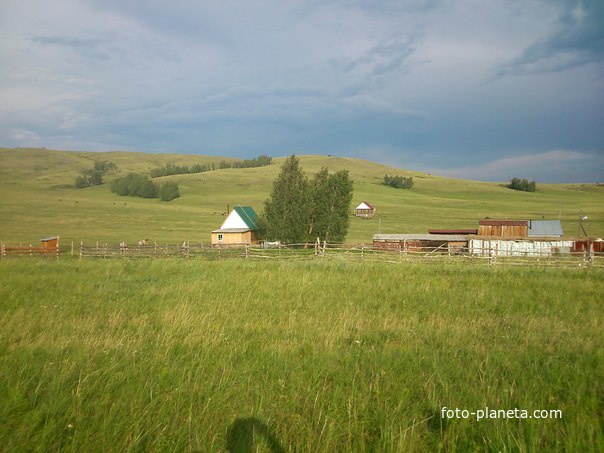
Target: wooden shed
x,y
365,210
50,244
239,228
503,228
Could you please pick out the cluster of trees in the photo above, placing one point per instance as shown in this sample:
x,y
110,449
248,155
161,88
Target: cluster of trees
x,y
94,176
300,210
138,185
172,169
522,184
398,182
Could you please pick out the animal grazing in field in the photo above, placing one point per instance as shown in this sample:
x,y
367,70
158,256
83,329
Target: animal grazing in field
x,y
143,242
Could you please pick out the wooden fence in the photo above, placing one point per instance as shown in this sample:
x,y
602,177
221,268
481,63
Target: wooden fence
x,y
317,251
20,249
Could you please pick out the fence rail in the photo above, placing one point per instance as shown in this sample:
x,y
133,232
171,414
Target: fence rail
x,y
317,251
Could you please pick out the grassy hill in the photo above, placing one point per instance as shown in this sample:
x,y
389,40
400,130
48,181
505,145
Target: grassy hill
x,y
38,199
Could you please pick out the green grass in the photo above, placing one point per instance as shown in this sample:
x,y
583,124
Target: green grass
x,y
176,355
38,199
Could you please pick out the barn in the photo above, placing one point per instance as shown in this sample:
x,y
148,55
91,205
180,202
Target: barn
x,y
519,238
503,228
239,228
365,210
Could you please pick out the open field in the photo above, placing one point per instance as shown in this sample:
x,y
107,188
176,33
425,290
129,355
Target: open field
x,y
322,356
38,199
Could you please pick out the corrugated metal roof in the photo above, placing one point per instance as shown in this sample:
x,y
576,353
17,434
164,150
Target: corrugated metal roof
x,y
248,215
51,238
545,228
419,237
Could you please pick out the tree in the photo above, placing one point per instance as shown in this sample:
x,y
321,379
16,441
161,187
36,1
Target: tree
x,y
287,210
169,191
148,189
94,176
522,185
398,182
330,205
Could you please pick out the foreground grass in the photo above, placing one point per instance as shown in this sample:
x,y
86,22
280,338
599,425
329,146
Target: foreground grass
x,y
177,355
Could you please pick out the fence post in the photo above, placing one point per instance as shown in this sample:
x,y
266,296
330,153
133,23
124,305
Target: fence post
x,y
246,250
81,248
362,251
31,250
2,249
154,249
71,248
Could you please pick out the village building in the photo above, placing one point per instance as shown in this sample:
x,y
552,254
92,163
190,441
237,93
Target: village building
x,y
239,228
364,210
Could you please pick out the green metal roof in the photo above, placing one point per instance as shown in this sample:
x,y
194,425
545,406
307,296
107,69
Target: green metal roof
x,y
248,215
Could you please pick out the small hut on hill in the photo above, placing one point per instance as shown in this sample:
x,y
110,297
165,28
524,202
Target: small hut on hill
x,y
364,210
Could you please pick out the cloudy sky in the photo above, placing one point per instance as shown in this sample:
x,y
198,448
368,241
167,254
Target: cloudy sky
x,y
477,89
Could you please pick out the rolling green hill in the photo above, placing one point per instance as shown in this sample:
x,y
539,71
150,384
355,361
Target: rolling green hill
x,y
38,199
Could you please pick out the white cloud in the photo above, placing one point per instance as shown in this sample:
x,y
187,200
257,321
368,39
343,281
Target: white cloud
x,y
549,166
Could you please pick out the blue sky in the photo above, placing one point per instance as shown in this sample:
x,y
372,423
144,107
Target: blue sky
x,y
472,89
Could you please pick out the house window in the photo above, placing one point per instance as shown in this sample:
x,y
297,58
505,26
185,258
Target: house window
x,y
220,237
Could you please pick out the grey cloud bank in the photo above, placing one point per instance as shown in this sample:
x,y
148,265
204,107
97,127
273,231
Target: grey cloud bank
x,y
479,90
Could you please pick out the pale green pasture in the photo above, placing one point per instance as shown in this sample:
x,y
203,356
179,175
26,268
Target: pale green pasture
x,y
38,200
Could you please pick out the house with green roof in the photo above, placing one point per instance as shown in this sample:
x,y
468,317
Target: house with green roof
x,y
239,228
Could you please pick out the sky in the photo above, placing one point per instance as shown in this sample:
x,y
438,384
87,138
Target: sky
x,y
484,90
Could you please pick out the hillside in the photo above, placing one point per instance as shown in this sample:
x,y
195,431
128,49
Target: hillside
x,y
38,199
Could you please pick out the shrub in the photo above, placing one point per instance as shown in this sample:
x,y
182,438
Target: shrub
x,y
522,185
169,191
135,184
94,176
398,182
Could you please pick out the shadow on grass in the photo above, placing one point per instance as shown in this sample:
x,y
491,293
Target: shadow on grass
x,y
244,432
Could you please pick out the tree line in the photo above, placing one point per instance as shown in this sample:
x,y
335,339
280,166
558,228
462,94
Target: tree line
x,y
300,210
172,169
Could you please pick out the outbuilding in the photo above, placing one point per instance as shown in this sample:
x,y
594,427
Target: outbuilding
x,y
365,210
239,228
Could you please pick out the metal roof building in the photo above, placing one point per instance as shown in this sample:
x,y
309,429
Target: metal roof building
x,y
544,228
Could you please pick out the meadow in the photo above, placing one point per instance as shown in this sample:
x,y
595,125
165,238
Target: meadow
x,y
194,355
38,199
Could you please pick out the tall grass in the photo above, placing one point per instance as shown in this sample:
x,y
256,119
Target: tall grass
x,y
178,355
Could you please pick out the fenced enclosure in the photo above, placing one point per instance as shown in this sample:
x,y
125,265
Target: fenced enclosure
x,y
317,251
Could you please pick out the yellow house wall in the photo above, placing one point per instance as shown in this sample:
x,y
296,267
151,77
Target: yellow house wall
x,y
234,238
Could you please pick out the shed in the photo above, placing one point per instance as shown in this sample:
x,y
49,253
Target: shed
x,y
445,243
365,210
545,228
50,243
503,228
239,228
